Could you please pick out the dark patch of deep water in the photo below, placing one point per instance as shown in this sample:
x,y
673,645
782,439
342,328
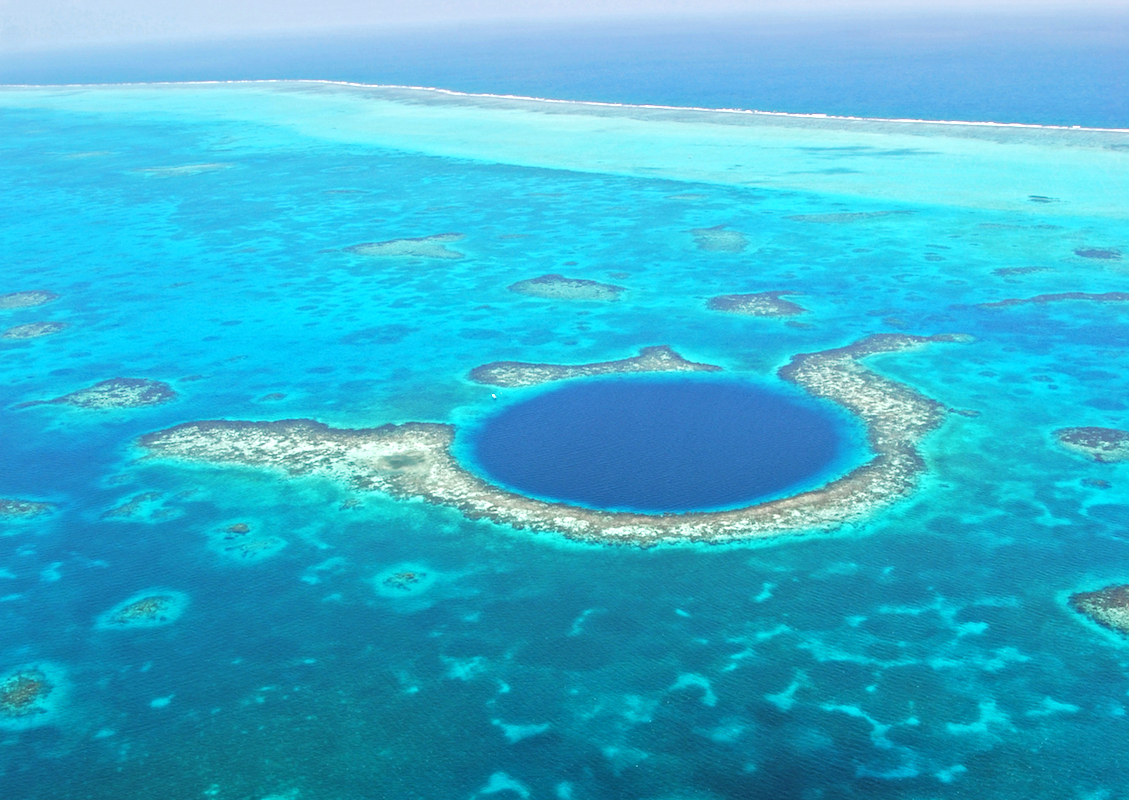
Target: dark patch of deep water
x,y
659,445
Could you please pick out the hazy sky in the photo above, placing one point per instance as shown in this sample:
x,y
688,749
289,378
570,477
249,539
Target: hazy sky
x,y
47,23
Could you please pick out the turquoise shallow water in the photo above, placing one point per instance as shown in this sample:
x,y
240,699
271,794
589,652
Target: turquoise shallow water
x,y
923,653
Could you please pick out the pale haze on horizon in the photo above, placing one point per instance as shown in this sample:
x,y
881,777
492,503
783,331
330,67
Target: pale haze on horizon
x,y
46,24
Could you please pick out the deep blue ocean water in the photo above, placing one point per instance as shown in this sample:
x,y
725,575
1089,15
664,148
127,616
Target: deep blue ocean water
x,y
660,445
925,652
1064,68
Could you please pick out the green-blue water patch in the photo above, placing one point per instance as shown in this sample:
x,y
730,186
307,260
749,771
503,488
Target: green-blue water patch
x,y
661,445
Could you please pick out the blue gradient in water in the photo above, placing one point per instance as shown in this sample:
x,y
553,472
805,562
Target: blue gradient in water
x,y
657,445
1051,69
925,652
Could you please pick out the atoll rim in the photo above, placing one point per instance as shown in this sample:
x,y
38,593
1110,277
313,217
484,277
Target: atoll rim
x,y
414,460
515,374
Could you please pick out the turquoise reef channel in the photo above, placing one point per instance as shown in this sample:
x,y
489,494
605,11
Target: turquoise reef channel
x,y
659,445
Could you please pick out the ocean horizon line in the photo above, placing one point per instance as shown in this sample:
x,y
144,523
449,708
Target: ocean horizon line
x,y
592,103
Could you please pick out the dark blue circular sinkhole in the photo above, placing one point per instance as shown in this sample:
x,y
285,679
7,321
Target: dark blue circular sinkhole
x,y
660,445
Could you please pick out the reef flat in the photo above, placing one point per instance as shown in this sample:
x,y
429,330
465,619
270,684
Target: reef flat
x,y
513,374
414,460
24,509
761,304
1098,444
26,299
33,330
719,240
1109,607
558,287
420,247
114,393
1043,299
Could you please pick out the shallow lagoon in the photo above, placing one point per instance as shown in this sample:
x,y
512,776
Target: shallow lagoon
x,y
925,652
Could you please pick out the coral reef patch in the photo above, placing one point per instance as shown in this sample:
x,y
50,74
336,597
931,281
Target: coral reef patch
x,y
421,247
238,542
26,299
1014,272
149,609
761,304
558,287
29,695
1098,444
144,504
1108,607
513,374
114,393
1043,299
33,330
23,509
1102,253
404,580
719,240
414,460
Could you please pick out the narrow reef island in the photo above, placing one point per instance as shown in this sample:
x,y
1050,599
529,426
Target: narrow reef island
x,y
1108,607
1103,445
34,330
26,299
558,287
515,374
420,247
414,460
761,304
114,393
